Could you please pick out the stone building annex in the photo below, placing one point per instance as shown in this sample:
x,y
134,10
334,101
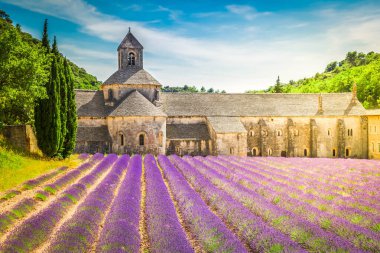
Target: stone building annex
x,y
131,115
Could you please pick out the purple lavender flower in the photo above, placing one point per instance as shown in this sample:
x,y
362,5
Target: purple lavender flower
x,y
164,230
121,231
211,232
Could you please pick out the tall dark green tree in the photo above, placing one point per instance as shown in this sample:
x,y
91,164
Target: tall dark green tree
x,y
71,123
45,37
277,86
47,111
62,91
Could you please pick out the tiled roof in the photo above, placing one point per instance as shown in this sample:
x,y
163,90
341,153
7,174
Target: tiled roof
x,y
130,41
284,104
136,104
226,124
131,75
90,103
93,134
187,131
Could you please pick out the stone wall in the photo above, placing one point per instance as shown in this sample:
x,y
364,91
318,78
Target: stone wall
x,y
374,137
125,133
21,136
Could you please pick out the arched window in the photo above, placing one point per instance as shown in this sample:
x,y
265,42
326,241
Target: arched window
x,y
334,152
231,151
251,133
254,152
121,138
131,59
279,133
110,94
305,152
141,139
269,151
347,152
329,132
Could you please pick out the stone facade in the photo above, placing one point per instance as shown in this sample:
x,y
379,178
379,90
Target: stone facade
x,y
21,136
374,134
130,115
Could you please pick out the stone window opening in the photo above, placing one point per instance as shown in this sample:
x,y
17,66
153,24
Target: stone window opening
x,y
141,139
279,133
121,137
270,151
231,151
329,132
347,152
334,152
349,132
305,152
251,133
110,94
254,152
131,59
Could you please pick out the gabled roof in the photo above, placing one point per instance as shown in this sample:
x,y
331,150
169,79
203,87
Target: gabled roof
x,y
130,41
136,104
131,75
99,133
187,131
283,104
226,124
90,103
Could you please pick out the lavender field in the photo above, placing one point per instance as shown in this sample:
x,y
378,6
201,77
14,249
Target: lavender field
x,y
197,204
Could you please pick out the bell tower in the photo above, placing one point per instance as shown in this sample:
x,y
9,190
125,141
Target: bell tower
x,y
130,52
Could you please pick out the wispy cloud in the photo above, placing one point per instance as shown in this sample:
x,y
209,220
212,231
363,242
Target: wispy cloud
x,y
173,14
241,59
246,11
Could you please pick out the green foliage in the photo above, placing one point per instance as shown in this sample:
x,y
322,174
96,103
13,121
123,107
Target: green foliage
x,y
277,87
23,70
364,69
190,89
71,123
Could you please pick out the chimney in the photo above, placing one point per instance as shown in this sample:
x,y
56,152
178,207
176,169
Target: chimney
x,y
354,94
320,106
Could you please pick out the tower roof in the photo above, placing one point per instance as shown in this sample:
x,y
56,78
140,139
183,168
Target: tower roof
x,y
131,75
130,41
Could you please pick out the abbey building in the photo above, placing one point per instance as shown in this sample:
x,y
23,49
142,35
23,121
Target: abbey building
x,y
130,115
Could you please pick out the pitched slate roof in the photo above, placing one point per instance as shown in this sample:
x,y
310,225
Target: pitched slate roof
x,y
99,133
90,103
187,131
130,41
131,75
284,104
226,124
136,104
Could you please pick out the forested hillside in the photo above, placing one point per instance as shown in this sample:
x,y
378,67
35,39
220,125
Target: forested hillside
x,y
24,69
364,69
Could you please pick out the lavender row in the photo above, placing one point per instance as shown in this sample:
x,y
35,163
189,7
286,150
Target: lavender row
x,y
367,219
260,236
36,229
323,190
300,230
209,230
121,230
361,237
161,213
26,205
72,175
79,232
30,184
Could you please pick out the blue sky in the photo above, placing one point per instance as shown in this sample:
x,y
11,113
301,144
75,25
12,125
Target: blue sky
x,y
230,45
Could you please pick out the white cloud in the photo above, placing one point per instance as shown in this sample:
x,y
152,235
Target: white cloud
x,y
236,61
246,11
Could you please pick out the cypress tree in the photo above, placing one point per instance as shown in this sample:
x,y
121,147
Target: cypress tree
x,y
71,123
50,109
63,94
45,37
